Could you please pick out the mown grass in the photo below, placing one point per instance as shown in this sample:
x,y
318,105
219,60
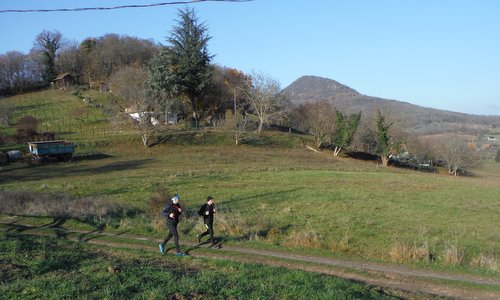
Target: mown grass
x,y
273,193
45,268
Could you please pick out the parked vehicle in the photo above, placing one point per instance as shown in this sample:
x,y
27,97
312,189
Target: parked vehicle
x,y
59,150
14,155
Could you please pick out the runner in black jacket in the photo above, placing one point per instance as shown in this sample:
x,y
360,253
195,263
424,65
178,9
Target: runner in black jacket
x,y
207,210
171,212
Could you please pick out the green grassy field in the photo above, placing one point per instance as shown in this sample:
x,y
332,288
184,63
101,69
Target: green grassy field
x,y
273,193
45,268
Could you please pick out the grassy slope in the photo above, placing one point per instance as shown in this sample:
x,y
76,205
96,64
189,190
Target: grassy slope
x,y
284,196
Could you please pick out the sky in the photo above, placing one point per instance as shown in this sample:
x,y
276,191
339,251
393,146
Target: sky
x,y
442,54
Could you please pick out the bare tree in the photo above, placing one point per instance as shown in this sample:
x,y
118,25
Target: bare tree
x,y
134,103
318,118
18,73
237,83
457,155
265,99
12,72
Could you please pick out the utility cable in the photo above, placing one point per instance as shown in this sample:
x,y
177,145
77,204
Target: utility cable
x,y
113,7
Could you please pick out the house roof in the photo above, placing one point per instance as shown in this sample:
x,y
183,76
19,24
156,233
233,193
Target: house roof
x,y
61,76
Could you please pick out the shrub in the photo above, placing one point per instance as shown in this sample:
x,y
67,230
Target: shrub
x,y
497,157
27,127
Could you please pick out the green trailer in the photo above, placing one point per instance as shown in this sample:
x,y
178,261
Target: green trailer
x,y
46,150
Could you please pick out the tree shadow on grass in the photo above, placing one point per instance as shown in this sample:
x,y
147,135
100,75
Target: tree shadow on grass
x,y
59,231
55,225
32,174
97,156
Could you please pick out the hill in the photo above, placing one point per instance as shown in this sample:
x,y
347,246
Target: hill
x,y
416,119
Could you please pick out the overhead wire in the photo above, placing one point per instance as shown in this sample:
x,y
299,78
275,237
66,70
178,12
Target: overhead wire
x,y
113,7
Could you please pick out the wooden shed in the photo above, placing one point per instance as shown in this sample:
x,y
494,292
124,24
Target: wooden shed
x,y
63,81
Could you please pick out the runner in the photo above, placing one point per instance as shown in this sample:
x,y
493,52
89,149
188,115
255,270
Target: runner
x,y
172,212
207,210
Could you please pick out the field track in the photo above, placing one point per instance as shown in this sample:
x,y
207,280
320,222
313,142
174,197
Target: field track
x,y
401,281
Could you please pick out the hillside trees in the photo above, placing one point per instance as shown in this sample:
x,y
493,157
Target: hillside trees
x,y
19,72
48,43
265,100
87,48
183,67
12,72
103,56
328,125
70,60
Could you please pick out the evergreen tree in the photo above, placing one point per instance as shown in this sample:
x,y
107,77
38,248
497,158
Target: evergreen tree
x,y
383,138
345,129
182,69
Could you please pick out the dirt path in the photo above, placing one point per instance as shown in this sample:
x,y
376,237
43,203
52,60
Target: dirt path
x,y
400,281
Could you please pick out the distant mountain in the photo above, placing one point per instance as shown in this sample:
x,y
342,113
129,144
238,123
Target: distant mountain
x,y
411,117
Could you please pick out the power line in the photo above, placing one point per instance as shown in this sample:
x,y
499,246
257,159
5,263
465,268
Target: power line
x,y
113,7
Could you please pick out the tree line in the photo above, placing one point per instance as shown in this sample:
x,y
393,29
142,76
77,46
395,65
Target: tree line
x,y
94,59
159,82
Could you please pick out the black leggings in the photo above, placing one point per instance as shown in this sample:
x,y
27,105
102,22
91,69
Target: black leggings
x,y
210,230
172,232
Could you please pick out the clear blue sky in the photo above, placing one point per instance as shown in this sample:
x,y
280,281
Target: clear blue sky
x,y
443,54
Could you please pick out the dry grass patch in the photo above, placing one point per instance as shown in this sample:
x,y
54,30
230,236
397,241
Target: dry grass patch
x,y
307,238
453,255
486,261
402,252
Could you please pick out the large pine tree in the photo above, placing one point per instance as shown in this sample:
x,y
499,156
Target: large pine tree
x,y
182,69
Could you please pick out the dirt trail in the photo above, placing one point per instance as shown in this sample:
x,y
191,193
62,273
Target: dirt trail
x,y
401,281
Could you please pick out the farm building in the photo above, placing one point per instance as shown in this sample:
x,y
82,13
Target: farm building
x,y
65,80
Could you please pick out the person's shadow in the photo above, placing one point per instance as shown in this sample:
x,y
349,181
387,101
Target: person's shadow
x,y
218,244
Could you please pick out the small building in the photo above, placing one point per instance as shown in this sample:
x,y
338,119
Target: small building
x,y
65,80
99,85
162,117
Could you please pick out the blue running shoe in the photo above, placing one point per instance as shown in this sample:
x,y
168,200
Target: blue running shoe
x,y
180,254
162,250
